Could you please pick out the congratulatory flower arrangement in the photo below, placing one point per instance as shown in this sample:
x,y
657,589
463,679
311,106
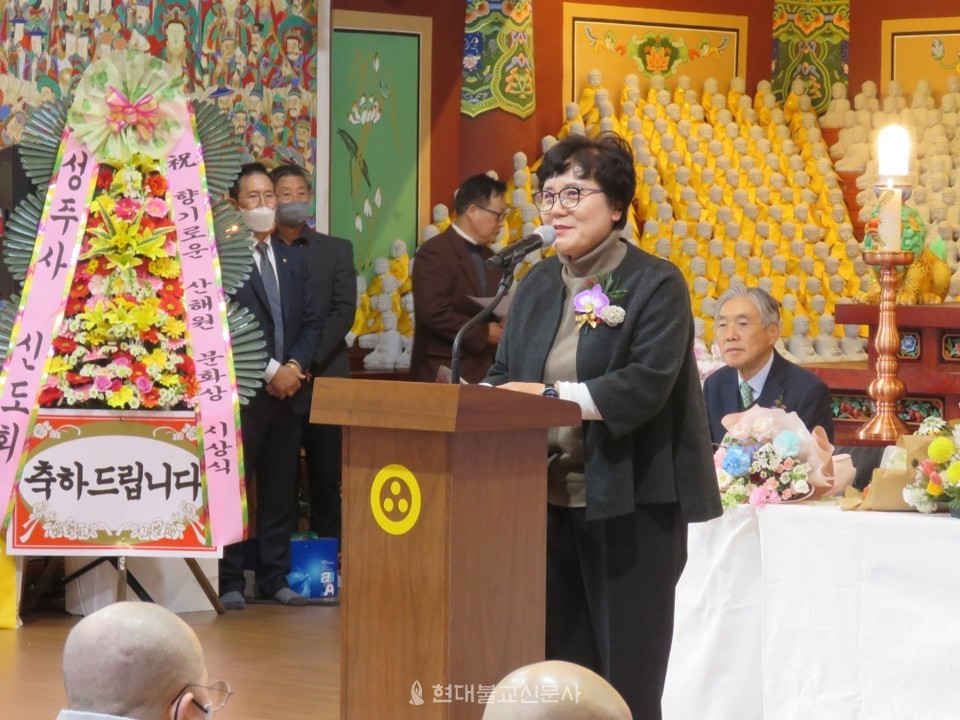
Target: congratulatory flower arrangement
x,y
122,343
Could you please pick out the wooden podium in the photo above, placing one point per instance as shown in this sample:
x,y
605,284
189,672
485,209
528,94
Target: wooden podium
x,y
444,541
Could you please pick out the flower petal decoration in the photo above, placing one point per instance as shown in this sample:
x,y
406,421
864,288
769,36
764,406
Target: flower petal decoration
x,y
129,103
591,301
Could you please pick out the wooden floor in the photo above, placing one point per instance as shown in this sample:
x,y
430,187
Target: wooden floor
x,y
283,663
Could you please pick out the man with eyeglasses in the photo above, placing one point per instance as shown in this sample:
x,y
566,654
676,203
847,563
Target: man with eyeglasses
x,y
746,326
137,661
448,270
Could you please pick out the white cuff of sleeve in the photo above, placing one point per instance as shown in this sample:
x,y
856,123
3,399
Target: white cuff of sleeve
x,y
271,370
578,393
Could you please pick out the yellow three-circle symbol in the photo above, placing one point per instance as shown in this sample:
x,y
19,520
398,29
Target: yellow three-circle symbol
x,y
395,499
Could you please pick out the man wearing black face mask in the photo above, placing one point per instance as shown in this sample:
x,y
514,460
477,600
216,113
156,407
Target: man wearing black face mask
x,y
335,282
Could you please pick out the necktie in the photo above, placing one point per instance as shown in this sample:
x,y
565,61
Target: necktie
x,y
273,297
746,394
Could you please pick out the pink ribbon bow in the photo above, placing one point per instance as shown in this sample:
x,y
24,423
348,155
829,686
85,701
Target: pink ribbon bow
x,y
144,114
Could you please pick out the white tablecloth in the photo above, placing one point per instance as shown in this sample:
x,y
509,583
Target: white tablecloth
x,y
804,611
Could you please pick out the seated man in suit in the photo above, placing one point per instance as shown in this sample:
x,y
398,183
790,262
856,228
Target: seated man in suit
x,y
746,325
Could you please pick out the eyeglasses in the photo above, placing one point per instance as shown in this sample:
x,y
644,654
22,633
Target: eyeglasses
x,y
723,327
499,215
219,692
569,197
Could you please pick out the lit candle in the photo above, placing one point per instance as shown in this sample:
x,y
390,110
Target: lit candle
x,y
888,215
893,152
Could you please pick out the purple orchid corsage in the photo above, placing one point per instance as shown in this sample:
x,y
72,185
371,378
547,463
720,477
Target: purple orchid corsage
x,y
592,306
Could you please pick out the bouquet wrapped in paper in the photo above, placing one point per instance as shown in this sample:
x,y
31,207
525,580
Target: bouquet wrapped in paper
x,y
769,456
937,470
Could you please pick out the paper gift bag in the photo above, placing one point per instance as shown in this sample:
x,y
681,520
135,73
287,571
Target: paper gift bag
x,y
886,484
915,446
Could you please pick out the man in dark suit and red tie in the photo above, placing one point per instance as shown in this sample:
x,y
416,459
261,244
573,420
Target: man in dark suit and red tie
x,y
448,270
747,325
280,294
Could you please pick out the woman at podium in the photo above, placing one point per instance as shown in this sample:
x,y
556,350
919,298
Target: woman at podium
x,y
609,326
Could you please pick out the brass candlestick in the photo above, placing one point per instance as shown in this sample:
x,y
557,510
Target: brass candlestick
x,y
886,389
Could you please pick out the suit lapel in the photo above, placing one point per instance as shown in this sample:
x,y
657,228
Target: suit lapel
x,y
256,282
465,259
730,395
773,388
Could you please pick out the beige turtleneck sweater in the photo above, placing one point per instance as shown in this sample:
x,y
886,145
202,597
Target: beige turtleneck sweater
x,y
565,471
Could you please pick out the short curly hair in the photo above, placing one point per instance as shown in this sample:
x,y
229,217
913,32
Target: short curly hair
x,y
608,160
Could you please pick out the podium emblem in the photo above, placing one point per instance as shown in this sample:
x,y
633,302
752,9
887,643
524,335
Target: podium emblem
x,y
395,499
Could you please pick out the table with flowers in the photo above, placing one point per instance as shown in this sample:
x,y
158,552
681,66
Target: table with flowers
x,y
801,610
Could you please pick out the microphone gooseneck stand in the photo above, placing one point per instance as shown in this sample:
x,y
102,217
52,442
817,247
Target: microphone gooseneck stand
x,y
505,284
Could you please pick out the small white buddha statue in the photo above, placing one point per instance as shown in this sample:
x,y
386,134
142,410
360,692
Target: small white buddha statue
x,y
825,344
799,344
852,346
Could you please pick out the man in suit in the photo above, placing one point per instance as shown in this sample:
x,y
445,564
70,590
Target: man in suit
x,y
280,295
448,270
747,324
335,283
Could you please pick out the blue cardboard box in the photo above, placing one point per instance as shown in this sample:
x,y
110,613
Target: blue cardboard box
x,y
313,568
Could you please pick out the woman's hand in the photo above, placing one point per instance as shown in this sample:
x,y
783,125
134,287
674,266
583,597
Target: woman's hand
x,y
524,387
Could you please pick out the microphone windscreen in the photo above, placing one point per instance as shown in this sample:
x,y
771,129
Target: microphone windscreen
x,y
548,234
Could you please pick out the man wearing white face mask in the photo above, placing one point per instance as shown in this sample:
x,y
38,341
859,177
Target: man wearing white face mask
x,y
280,295
335,281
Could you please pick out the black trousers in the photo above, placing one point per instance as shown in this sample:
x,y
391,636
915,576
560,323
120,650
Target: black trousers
x,y
610,596
271,451
321,444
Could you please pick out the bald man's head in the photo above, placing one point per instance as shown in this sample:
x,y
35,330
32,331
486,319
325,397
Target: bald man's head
x,y
575,693
131,659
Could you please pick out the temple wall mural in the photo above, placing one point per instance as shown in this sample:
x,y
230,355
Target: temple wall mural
x,y
256,58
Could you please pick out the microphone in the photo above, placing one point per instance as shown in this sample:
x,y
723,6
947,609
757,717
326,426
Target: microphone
x,y
543,236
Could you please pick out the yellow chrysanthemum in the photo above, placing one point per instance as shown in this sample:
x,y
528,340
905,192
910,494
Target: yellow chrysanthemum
x,y
941,449
174,328
119,398
157,357
169,380
165,267
59,364
952,475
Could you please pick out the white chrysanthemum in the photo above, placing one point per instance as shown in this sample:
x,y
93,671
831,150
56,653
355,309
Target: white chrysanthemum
x,y
613,315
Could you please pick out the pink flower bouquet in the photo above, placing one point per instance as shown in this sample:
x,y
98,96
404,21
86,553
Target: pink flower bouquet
x,y
769,456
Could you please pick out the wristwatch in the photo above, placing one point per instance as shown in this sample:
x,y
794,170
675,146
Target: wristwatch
x,y
550,391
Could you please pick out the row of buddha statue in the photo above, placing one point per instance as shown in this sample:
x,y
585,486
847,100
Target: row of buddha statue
x,y
935,147
733,188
